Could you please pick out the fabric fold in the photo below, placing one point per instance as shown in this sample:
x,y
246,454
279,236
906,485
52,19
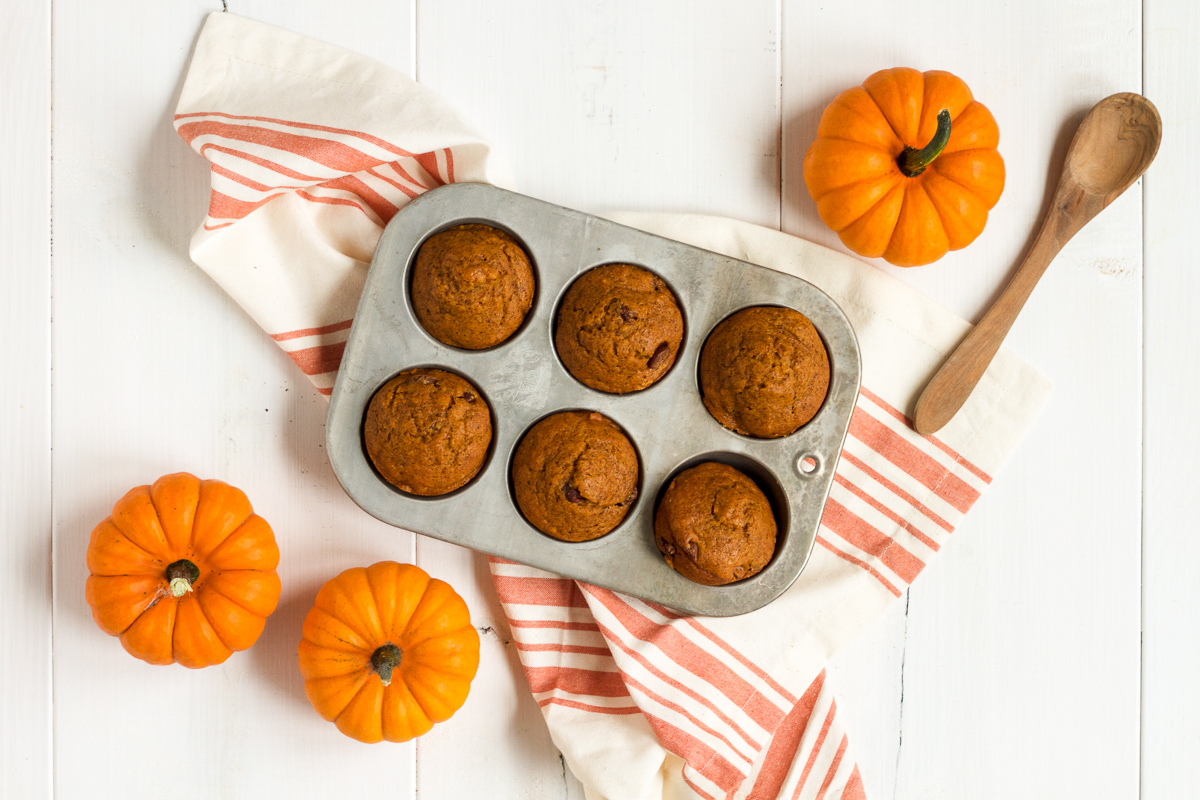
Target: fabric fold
x,y
313,149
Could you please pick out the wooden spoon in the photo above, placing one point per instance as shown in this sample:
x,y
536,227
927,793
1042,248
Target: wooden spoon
x,y
1114,145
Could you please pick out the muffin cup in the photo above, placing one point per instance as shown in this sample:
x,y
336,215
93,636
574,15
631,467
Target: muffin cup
x,y
639,486
763,478
487,458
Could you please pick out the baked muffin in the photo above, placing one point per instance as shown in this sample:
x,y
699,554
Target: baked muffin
x,y
714,525
427,431
618,328
764,372
575,475
472,286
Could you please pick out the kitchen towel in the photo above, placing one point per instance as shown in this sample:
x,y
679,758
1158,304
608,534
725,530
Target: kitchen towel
x,y
314,148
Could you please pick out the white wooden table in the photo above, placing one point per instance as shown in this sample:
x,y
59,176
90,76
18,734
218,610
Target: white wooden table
x,y
1049,652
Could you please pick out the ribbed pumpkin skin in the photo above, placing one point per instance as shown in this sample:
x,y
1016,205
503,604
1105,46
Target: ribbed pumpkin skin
x,y
860,192
364,609
208,523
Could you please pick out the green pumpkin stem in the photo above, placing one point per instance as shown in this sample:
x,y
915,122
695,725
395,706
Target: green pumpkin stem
x,y
912,162
181,575
384,660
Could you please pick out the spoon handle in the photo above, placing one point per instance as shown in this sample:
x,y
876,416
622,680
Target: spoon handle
x,y
1113,146
956,379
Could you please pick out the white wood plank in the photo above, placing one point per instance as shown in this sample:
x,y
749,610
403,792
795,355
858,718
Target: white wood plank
x,y
500,727
25,594
1020,666
866,678
665,106
379,29
668,106
158,371
1170,592
671,107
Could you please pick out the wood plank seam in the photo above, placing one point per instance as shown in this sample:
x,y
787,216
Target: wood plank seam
x,y
1142,436
779,149
900,725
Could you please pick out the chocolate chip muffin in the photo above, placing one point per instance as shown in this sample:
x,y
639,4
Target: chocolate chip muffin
x,y
427,431
575,475
472,286
764,372
618,328
714,525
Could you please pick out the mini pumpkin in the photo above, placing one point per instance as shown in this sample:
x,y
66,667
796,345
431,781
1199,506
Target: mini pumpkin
x,y
387,652
905,166
183,571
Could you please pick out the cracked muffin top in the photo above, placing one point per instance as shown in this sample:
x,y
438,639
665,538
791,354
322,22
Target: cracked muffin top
x,y
575,475
714,525
619,328
764,372
472,286
427,431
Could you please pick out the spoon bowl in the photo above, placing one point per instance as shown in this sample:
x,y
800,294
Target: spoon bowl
x,y
1113,146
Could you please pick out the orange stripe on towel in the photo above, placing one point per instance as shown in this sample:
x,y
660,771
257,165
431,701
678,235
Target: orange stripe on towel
x,y
318,360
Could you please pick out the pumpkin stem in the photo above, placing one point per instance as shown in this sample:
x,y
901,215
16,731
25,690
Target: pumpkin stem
x,y
181,575
384,660
912,162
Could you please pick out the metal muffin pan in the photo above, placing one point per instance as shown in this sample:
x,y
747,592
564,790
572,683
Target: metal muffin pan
x,y
523,381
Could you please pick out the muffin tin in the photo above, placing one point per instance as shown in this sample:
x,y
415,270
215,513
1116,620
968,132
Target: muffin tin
x,y
523,381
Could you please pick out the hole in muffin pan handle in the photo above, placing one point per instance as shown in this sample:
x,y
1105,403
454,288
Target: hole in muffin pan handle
x,y
807,465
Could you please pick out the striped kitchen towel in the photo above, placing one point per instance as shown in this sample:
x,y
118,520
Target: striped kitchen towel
x,y
739,707
313,149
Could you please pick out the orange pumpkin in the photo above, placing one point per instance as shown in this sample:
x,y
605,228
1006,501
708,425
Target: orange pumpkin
x,y
905,166
387,651
183,571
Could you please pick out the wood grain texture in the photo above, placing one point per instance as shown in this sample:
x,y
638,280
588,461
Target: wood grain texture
x,y
1020,657
1170,550
158,371
1113,146
667,106
26,758
500,728
379,29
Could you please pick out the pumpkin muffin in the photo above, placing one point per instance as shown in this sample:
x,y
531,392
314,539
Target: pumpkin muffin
x,y
575,475
427,431
618,328
714,525
764,372
472,286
